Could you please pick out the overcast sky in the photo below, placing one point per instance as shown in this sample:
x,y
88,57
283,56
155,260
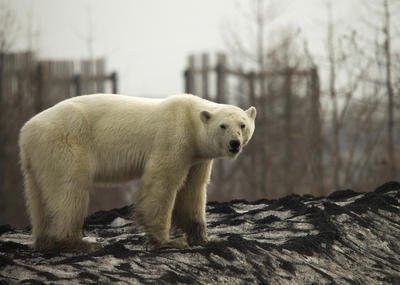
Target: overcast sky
x,y
147,42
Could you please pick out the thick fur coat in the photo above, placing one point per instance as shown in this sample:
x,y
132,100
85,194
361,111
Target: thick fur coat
x,y
168,143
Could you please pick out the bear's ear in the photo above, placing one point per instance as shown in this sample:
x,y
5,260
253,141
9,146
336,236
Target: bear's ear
x,y
205,116
251,112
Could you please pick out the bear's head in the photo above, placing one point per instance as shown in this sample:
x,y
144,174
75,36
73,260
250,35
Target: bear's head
x,y
226,130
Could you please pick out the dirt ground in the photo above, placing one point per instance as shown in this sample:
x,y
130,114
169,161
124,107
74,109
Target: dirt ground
x,y
345,238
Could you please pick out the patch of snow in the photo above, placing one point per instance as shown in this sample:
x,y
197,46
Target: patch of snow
x,y
280,214
348,201
120,222
243,208
21,238
108,263
91,239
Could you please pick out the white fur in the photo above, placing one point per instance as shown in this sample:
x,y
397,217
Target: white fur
x,y
103,138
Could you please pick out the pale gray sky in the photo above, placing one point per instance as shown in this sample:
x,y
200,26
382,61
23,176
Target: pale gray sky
x,y
147,42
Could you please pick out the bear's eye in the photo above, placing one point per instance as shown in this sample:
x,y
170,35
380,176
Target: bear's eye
x,y
222,126
242,126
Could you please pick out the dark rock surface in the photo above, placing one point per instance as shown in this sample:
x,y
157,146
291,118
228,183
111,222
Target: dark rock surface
x,y
346,238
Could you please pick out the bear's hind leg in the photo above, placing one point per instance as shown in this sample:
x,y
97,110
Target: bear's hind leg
x,y
35,208
67,189
67,216
190,204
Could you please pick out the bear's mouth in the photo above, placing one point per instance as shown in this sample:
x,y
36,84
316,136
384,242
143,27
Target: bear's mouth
x,y
234,150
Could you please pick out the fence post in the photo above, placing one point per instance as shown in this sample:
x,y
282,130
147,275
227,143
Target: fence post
x,y
252,92
288,131
204,74
114,82
77,82
189,76
316,132
38,97
3,137
221,78
253,148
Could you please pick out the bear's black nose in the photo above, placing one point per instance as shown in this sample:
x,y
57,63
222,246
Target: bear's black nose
x,y
234,144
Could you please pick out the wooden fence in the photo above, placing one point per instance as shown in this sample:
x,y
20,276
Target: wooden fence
x,y
58,80
27,86
285,155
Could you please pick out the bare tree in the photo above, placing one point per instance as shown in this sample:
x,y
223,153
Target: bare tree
x,y
279,74
381,20
389,87
336,151
252,51
355,109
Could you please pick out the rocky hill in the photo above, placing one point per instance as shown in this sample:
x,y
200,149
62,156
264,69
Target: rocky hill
x,y
346,238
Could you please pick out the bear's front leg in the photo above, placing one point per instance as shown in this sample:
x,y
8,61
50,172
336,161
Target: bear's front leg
x,y
155,201
190,204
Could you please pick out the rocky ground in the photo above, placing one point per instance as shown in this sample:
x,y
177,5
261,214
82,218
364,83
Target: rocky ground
x,y
346,238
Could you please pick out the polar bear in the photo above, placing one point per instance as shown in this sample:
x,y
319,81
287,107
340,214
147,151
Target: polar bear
x,y
103,138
